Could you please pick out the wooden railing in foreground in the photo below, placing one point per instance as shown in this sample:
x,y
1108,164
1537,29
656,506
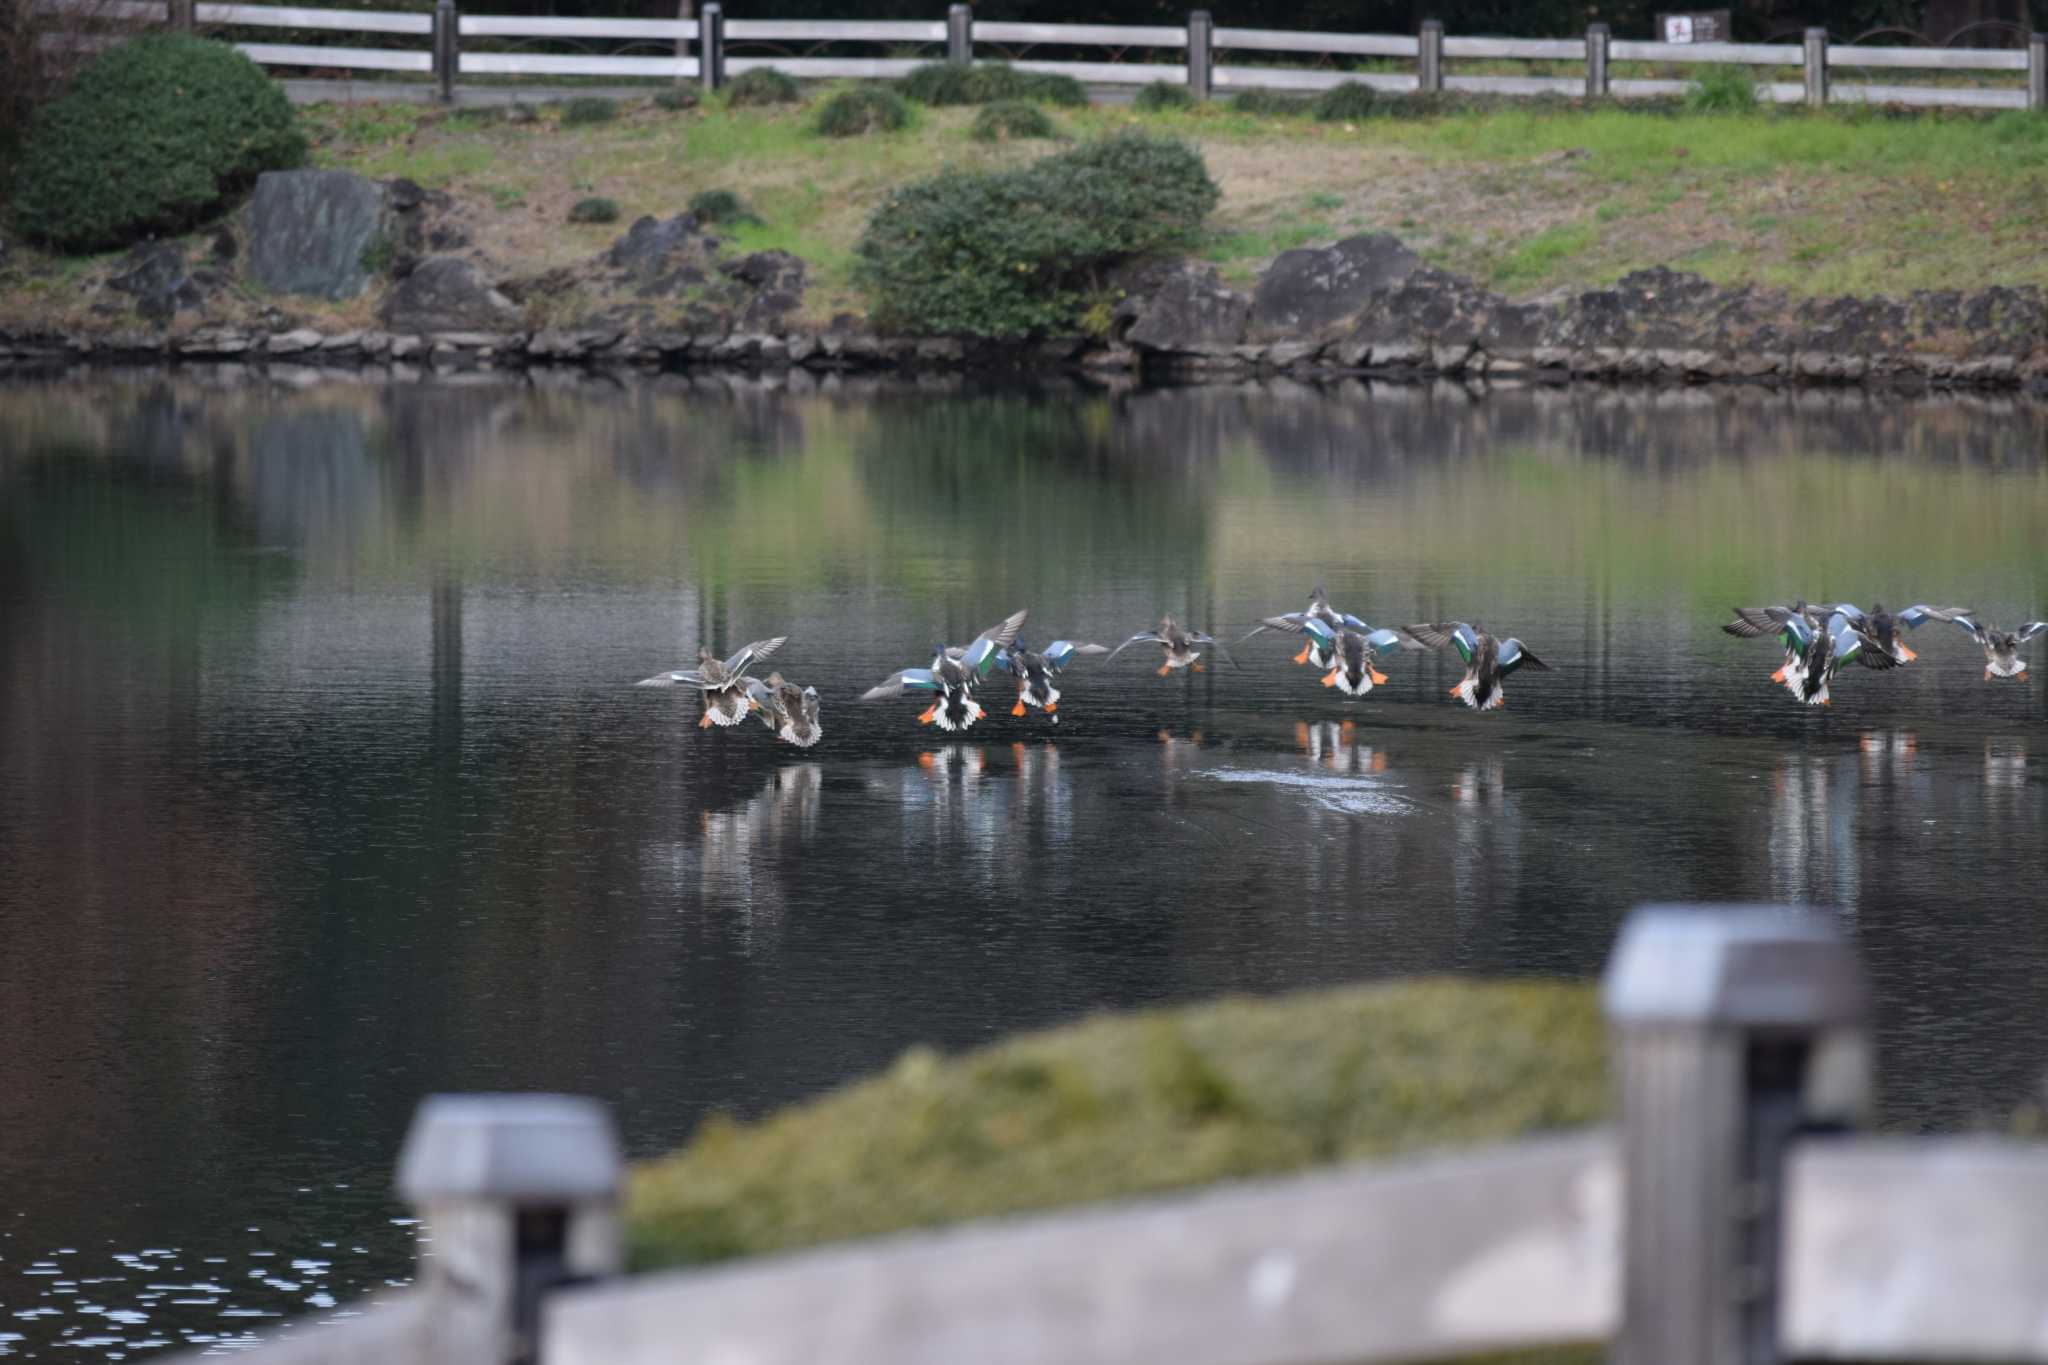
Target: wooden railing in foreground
x,y
712,48
1732,1217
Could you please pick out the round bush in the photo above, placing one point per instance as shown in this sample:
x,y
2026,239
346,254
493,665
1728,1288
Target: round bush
x,y
763,85
594,211
1346,103
587,109
721,206
152,138
1162,95
1008,119
1266,104
944,83
862,110
1012,253
678,99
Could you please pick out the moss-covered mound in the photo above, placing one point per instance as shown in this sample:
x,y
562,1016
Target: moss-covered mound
x,y
1128,1105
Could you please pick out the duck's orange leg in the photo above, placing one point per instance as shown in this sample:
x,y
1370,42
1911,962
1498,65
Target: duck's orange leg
x,y
1051,707
1779,676
1302,657
1165,669
704,721
1018,709
1196,667
1379,679
1330,678
1905,653
930,714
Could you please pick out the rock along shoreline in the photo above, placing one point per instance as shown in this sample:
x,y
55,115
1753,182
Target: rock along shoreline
x,y
667,296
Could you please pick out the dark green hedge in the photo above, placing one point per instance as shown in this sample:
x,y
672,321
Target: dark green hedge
x,y
944,83
1013,253
152,138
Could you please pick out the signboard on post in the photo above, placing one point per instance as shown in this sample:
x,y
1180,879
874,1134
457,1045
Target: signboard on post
x,y
1699,26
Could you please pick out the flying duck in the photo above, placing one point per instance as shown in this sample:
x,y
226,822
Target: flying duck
x,y
723,682
1883,626
2002,647
790,712
1316,648
1035,670
954,672
1823,649
1178,642
1487,661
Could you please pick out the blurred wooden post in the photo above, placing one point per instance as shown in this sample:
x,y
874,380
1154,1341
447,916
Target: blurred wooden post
x,y
183,15
711,46
447,48
686,10
1816,67
1596,61
2037,72
960,35
1430,67
1735,1030
1201,36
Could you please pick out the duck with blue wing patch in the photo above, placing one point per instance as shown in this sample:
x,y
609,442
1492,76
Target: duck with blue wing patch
x,y
1487,661
1035,671
1823,649
1883,626
1180,644
1318,647
950,681
722,681
2002,647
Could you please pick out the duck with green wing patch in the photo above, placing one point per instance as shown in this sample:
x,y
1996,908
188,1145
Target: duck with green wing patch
x,y
1487,661
1035,671
950,681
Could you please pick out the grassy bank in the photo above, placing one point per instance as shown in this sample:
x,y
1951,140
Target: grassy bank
x,y
1523,199
1130,1105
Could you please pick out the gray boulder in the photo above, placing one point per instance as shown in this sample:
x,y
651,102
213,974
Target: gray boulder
x,y
448,294
1188,312
310,232
775,280
659,256
157,276
1318,291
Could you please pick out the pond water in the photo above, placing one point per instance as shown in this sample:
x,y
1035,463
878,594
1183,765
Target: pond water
x,y
322,785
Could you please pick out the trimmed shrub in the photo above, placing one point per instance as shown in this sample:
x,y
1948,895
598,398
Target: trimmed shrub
x,y
721,206
763,85
588,109
677,98
1722,90
944,83
1160,96
862,110
1267,104
594,211
152,138
1009,119
1346,103
1011,253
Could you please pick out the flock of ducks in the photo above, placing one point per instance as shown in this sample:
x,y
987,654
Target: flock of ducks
x,y
1818,639
1343,646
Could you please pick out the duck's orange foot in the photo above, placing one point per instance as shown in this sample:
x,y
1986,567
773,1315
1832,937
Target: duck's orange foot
x,y
2021,675
1051,707
1906,654
1165,669
1457,689
1302,657
1196,667
1330,678
1018,709
1379,679
1987,675
704,721
1779,676
931,713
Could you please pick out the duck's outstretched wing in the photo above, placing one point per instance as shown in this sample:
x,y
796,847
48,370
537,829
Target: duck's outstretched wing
x,y
1752,623
1292,621
1855,646
754,653
1060,653
980,656
682,677
1389,638
1970,627
1202,637
2029,631
1140,638
1920,615
908,682
1437,634
1514,654
760,699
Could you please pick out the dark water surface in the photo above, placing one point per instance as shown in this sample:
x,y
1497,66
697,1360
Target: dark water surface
x,y
321,786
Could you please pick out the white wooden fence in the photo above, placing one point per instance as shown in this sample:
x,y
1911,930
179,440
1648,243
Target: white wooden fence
x,y
711,48
1731,1217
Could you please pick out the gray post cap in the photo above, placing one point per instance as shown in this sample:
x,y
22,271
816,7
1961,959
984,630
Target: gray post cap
x,y
524,1148
1773,966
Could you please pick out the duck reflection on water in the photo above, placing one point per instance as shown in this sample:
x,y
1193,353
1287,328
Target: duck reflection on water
x,y
2005,765
1333,745
734,861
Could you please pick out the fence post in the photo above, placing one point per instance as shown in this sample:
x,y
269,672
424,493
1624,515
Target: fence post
x,y
1596,61
960,35
711,46
516,1194
1734,1030
1430,65
1201,53
1816,67
184,15
2037,71
447,48
686,10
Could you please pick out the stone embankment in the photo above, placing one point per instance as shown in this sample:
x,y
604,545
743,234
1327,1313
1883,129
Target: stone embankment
x,y
668,293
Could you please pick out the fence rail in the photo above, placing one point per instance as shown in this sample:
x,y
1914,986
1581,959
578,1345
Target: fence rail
x,y
1731,1216
793,46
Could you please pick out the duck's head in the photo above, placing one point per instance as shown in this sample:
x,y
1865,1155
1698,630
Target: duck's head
x,y
705,656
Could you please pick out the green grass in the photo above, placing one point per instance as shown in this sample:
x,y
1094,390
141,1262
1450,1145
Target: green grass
x,y
1128,1105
